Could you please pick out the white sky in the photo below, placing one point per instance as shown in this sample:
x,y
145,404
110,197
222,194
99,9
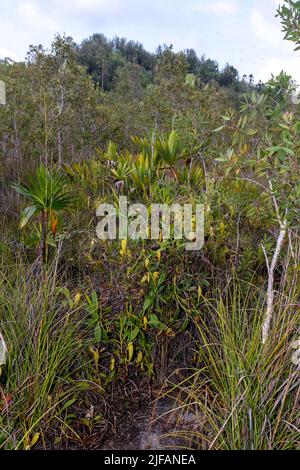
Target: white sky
x,y
244,33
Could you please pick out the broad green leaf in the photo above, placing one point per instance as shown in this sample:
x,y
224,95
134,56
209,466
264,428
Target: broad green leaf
x,y
26,215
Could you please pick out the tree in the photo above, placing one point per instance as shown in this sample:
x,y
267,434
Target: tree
x,y
264,154
101,62
229,76
281,86
134,53
289,14
131,80
51,110
192,61
208,70
171,66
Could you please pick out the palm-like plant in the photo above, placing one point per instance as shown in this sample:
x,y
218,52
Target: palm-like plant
x,y
143,172
168,150
122,171
48,194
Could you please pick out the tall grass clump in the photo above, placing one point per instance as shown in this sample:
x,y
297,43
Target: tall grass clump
x,y
243,395
44,342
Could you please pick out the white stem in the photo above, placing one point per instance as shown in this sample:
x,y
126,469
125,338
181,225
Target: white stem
x,y
271,269
270,293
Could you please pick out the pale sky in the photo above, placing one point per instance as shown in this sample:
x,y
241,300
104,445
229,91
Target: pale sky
x,y
244,33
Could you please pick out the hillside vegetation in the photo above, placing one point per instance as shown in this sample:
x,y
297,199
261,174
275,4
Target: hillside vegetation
x,y
93,332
